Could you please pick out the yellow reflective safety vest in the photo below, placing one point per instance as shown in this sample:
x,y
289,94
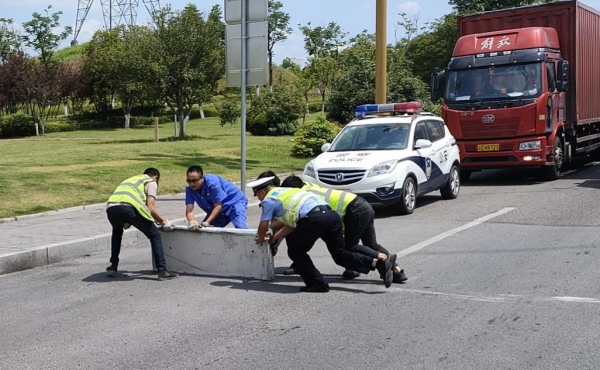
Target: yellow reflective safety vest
x,y
338,200
133,192
292,199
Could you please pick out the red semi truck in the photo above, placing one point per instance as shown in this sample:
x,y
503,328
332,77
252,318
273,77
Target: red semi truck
x,y
523,87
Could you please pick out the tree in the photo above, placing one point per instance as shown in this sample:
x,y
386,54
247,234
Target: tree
x,y
188,58
279,29
323,45
432,50
40,36
9,39
303,82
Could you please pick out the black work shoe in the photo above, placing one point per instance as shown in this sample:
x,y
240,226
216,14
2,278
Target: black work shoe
x,y
385,270
290,271
400,278
165,275
392,258
317,288
111,270
350,274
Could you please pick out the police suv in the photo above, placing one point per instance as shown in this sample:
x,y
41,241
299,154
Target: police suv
x,y
389,155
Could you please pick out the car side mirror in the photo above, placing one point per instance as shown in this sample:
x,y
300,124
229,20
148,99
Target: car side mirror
x,y
325,147
435,84
422,144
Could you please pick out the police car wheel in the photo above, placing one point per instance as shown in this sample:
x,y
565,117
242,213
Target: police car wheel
x,y
407,202
452,187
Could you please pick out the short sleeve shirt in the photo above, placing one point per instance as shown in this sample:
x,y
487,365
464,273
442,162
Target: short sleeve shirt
x,y
215,190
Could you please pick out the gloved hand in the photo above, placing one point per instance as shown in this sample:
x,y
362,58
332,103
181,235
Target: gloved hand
x,y
167,225
193,226
205,224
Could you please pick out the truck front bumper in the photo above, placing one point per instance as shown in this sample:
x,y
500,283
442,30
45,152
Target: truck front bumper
x,y
484,154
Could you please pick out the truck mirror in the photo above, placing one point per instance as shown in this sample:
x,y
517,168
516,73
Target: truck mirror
x,y
563,75
435,84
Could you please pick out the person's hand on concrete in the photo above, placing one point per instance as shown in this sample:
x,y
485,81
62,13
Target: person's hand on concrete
x,y
193,226
205,224
167,225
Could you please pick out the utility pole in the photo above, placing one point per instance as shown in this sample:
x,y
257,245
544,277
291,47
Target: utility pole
x,y
381,52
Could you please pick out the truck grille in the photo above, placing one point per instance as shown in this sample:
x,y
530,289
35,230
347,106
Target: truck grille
x,y
341,177
501,128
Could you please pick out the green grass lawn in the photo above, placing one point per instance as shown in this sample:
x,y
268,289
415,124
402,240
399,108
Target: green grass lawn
x,y
68,169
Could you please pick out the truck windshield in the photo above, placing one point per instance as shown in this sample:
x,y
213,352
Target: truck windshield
x,y
503,81
372,137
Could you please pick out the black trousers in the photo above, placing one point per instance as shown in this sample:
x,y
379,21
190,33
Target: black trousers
x,y
322,223
359,225
118,216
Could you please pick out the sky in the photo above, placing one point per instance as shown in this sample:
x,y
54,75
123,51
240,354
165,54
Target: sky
x,y
352,15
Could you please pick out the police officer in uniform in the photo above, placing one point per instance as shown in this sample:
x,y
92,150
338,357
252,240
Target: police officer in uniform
x,y
358,223
307,218
132,204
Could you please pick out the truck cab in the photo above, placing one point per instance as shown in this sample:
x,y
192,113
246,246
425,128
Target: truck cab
x,y
504,99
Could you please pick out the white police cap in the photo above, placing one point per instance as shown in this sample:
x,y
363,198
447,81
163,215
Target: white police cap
x,y
260,183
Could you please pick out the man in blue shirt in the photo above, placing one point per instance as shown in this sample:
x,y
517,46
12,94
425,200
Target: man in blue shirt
x,y
222,201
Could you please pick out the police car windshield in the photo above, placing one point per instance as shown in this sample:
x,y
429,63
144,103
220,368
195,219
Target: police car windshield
x,y
372,137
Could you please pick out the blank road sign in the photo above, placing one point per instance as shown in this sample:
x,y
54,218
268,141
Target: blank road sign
x,y
257,11
257,64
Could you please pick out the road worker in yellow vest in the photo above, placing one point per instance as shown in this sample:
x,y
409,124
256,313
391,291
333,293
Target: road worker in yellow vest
x,y
133,204
358,223
307,218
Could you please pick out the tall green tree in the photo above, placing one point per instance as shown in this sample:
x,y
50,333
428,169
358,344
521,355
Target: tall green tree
x,y
9,39
188,58
279,29
323,45
40,34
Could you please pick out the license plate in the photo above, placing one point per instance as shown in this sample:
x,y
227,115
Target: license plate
x,y
488,147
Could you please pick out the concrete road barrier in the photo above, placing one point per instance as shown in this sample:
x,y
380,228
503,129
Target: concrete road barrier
x,y
216,251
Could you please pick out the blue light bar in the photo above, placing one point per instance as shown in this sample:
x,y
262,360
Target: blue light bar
x,y
408,107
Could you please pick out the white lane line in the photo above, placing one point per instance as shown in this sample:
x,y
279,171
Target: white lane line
x,y
501,298
451,232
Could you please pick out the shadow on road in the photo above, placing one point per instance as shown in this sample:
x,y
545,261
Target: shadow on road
x,y
102,277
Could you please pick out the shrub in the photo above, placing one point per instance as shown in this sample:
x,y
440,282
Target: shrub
x,y
17,125
311,135
275,112
229,112
60,126
210,111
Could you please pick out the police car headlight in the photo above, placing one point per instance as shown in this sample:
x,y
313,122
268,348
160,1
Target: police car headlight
x,y
383,168
309,170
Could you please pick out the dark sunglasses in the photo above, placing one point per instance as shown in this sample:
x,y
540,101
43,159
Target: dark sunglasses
x,y
193,181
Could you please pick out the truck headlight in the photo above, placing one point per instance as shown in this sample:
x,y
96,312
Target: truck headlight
x,y
531,145
309,170
383,168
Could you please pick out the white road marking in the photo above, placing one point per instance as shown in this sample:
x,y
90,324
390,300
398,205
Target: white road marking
x,y
501,298
451,232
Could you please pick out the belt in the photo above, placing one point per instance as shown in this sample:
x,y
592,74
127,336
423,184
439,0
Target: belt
x,y
318,209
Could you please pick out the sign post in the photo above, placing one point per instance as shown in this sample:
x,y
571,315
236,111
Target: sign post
x,y
246,63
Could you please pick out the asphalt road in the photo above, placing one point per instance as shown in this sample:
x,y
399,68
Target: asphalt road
x,y
504,277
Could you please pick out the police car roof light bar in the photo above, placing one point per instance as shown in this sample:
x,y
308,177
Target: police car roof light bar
x,y
413,107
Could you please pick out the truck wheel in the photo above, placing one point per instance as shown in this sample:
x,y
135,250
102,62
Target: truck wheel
x,y
408,199
465,175
551,173
452,187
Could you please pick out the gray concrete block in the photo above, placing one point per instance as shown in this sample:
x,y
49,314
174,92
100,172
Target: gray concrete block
x,y
23,260
219,252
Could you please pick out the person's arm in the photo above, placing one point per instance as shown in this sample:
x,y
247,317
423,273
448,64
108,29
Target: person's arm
x,y
151,203
214,214
189,212
263,226
283,232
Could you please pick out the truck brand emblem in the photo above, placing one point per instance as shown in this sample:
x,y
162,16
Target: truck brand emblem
x,y
339,177
488,118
